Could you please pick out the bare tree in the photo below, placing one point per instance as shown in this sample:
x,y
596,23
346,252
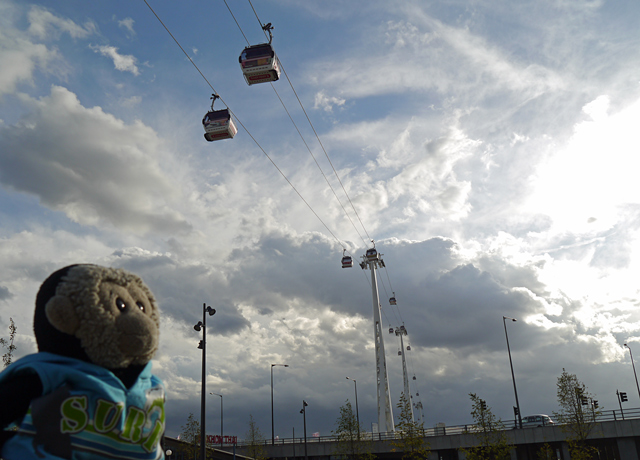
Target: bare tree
x,y
350,443
191,436
8,344
489,431
576,422
412,442
255,441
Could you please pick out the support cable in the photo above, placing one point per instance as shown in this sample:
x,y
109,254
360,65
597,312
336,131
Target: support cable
x,y
321,145
243,126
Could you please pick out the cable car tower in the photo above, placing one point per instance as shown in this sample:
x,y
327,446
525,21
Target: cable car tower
x,y
372,260
402,331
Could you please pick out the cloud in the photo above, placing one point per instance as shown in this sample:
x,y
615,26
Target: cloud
x,y
44,24
127,24
89,165
429,55
122,62
20,56
5,294
327,103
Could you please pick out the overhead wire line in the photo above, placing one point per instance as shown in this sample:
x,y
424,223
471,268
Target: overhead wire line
x,y
243,126
321,145
291,118
398,317
296,126
234,18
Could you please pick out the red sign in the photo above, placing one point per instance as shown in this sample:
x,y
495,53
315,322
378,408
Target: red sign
x,y
215,439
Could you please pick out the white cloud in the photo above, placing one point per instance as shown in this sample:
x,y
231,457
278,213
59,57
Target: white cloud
x,y
127,24
20,56
90,165
44,24
327,103
584,187
18,60
122,62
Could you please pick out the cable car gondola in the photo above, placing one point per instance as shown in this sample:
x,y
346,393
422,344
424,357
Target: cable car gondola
x,y
372,254
259,63
390,330
408,347
347,261
218,124
392,300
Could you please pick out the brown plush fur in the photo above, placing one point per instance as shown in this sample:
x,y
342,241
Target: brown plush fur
x,y
84,305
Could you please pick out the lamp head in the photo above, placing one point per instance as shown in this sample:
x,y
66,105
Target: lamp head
x,y
198,327
211,311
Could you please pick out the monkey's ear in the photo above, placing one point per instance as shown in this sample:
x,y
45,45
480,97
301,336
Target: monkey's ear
x,y
62,315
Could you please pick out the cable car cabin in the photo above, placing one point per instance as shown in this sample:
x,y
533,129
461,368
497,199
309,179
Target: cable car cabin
x,y
392,301
372,254
390,330
218,125
259,64
347,262
399,353
408,347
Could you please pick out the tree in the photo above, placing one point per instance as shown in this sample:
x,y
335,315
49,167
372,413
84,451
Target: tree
x,y
255,441
546,452
412,442
350,443
8,344
489,431
576,422
191,436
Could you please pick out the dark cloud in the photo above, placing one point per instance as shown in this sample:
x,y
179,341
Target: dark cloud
x,y
5,294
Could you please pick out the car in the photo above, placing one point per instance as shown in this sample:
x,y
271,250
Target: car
x,y
536,420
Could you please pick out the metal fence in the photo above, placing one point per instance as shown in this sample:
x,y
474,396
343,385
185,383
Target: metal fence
x,y
442,430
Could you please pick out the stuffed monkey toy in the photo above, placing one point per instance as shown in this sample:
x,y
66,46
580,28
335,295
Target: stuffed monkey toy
x,y
89,392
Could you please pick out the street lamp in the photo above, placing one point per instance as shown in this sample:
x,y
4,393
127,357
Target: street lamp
x,y
273,436
202,326
513,377
303,411
357,414
634,369
221,419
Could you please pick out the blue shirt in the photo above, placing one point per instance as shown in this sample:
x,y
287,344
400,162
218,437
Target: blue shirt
x,y
85,412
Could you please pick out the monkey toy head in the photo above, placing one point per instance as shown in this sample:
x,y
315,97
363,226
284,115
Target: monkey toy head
x,y
106,316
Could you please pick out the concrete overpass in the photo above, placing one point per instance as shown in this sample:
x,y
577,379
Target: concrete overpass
x,y
615,439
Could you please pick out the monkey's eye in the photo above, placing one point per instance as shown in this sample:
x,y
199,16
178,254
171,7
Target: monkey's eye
x,y
120,304
140,306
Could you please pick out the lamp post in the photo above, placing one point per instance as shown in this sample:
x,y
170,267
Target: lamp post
x,y
634,368
357,413
303,411
513,377
221,417
202,326
273,436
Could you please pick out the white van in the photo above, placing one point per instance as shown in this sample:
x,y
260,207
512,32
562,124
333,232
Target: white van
x,y
536,420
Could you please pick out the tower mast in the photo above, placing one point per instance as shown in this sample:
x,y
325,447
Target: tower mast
x,y
402,331
372,260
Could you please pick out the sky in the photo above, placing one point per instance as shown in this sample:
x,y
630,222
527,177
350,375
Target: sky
x,y
488,148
